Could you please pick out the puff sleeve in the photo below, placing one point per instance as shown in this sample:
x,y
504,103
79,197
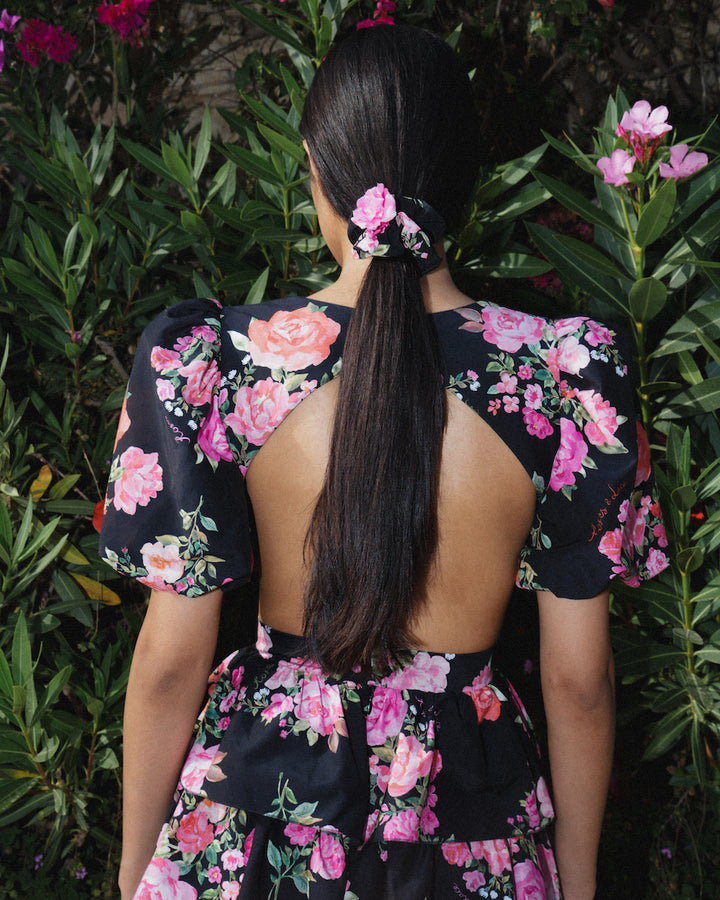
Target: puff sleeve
x,y
597,515
176,514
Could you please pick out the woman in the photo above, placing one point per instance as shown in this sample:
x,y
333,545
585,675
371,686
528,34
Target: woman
x,y
402,447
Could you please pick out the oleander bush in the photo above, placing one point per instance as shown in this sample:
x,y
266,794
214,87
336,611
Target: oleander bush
x,y
113,209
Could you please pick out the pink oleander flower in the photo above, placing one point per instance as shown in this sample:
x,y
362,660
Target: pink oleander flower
x,y
39,38
617,167
381,16
682,163
2,55
607,3
128,18
8,22
643,128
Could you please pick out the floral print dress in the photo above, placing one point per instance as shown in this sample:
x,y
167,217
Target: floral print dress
x,y
417,782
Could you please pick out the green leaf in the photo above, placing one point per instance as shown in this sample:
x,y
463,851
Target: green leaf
x,y
202,148
177,167
82,178
690,559
645,659
508,265
195,225
646,298
259,286
151,161
684,498
656,214
594,259
252,164
575,201
285,144
668,732
698,398
572,268
21,656
702,317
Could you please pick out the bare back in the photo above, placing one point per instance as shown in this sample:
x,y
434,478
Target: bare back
x,y
486,505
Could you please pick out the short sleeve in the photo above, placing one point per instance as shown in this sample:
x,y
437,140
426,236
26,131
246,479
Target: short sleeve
x,y
176,514
597,515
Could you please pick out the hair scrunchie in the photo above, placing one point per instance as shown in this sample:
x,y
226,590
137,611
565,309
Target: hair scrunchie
x,y
389,226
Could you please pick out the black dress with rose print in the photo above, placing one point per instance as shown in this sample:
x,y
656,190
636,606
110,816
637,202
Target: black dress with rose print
x,y
420,783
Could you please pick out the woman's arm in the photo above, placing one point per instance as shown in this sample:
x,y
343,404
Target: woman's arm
x,y
168,679
577,676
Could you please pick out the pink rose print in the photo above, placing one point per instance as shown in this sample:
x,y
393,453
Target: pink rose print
x,y
259,410
123,422
428,820
205,333
163,564
597,334
642,473
511,404
548,867
473,881
370,824
601,430
232,860
487,705
214,875
386,716
202,378
374,209
426,673
301,835
402,827
611,544
211,436
194,832
409,763
263,644
533,396
328,856
161,882
279,705
660,535
656,562
248,847
525,372
198,762
230,890
319,704
528,881
497,856
165,389
572,355
456,853
537,424
509,329
507,384
543,798
138,480
569,457
164,361
570,325
292,339
531,808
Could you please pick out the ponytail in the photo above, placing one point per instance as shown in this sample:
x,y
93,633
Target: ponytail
x,y
389,106
374,530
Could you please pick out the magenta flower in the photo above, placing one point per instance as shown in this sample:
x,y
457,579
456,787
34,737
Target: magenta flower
x,y
128,18
381,16
617,167
682,163
8,22
39,38
374,210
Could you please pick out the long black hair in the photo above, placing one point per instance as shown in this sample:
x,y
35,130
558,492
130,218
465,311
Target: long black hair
x,y
390,105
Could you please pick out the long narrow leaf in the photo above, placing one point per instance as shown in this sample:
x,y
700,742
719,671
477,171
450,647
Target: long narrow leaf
x,y
575,201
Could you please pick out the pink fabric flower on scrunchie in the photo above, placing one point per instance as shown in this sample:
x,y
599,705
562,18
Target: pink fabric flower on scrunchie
x,y
389,226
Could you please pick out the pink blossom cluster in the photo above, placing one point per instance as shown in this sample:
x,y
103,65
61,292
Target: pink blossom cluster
x,y
128,18
381,16
39,39
7,23
643,130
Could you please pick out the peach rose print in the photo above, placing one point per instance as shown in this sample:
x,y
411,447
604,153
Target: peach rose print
x,y
137,477
292,339
163,564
